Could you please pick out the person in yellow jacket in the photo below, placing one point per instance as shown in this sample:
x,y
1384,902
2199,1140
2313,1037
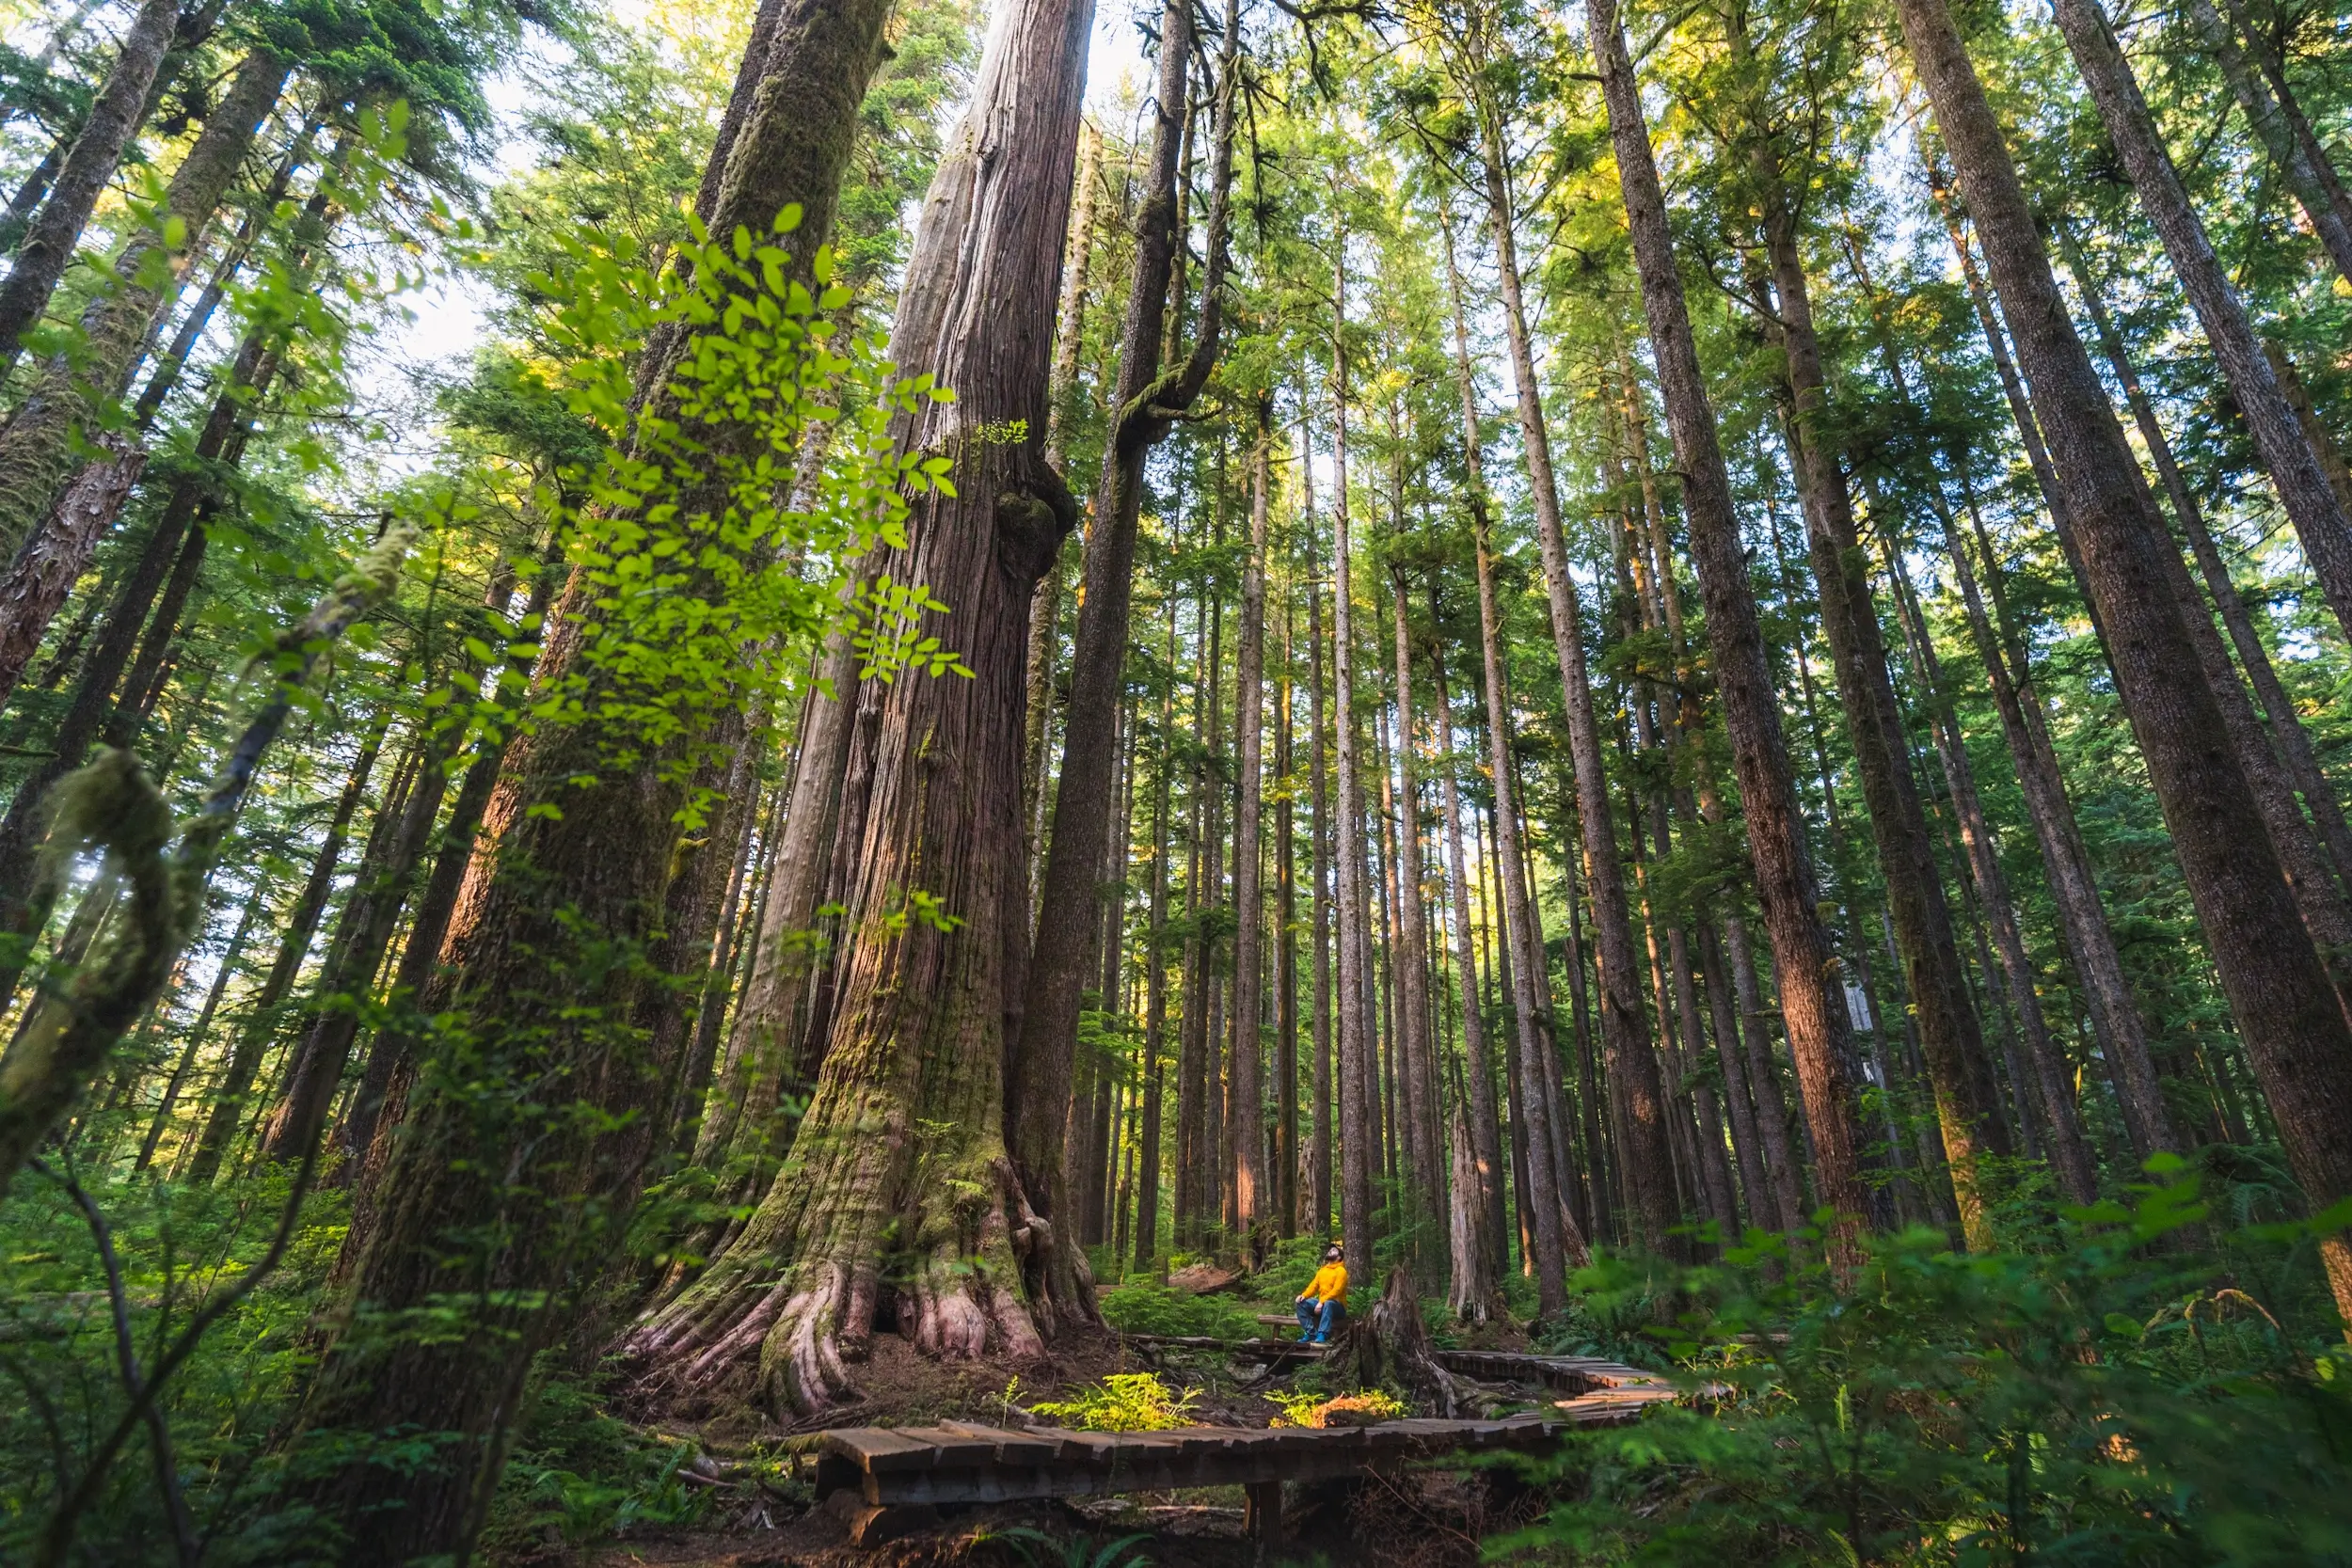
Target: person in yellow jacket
x,y
1323,1308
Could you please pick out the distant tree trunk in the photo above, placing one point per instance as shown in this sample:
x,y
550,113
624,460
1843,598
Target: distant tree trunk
x,y
1250,1192
768,1049
553,1027
1812,1001
2288,1014
1485,1133
1426,1158
1285,1149
261,1021
1146,397
1359,1125
2052,1095
2303,492
39,449
2316,190
1319,793
201,1029
1959,1069
2285,729
920,1029
114,119
18,220
1155,974
1626,1049
219,445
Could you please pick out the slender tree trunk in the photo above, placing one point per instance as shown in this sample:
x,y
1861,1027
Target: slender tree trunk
x,y
1248,1122
2285,729
1319,1137
1045,614
2052,1095
114,119
1426,1172
1146,397
1959,1069
39,449
1626,1049
201,1029
2310,179
1285,1150
261,1021
415,989
1357,1111
2287,1012
2303,492
1477,1294
1155,974
1812,1004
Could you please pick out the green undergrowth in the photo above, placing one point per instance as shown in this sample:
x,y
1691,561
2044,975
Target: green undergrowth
x,y
2112,1399
1123,1402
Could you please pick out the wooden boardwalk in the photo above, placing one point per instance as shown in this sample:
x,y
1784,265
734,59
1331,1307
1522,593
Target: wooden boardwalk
x,y
959,1463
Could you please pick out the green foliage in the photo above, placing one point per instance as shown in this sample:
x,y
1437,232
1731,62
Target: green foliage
x,y
1036,1549
1123,1402
2107,1403
585,1475
1144,1307
1314,1408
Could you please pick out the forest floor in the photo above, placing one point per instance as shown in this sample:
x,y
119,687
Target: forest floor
x,y
1433,1518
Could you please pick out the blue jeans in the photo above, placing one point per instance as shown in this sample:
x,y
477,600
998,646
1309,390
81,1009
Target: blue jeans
x,y
1319,1320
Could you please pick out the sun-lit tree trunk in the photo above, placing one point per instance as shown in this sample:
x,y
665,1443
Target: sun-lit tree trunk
x,y
40,452
2287,1012
1626,1047
1319,791
1426,1172
1950,1038
1247,1123
1813,1005
2316,190
1148,395
89,167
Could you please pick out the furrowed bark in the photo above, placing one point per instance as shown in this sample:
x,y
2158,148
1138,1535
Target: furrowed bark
x,y
1813,1005
2288,1014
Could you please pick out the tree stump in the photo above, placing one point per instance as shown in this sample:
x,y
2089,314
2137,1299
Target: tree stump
x,y
1391,1343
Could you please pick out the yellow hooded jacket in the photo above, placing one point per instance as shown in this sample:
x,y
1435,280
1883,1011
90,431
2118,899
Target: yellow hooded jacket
x,y
1330,1284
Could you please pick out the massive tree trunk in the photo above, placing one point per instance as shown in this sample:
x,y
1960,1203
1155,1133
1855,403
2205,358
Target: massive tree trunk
x,y
2288,1014
2303,492
1046,615
114,119
901,1168
1813,1004
39,449
1959,1069
549,1031
1626,1049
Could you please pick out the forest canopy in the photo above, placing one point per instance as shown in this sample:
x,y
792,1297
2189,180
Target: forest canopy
x,y
720,722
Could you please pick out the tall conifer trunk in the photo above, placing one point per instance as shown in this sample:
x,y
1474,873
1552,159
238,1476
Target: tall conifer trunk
x,y
1812,1002
2287,1012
